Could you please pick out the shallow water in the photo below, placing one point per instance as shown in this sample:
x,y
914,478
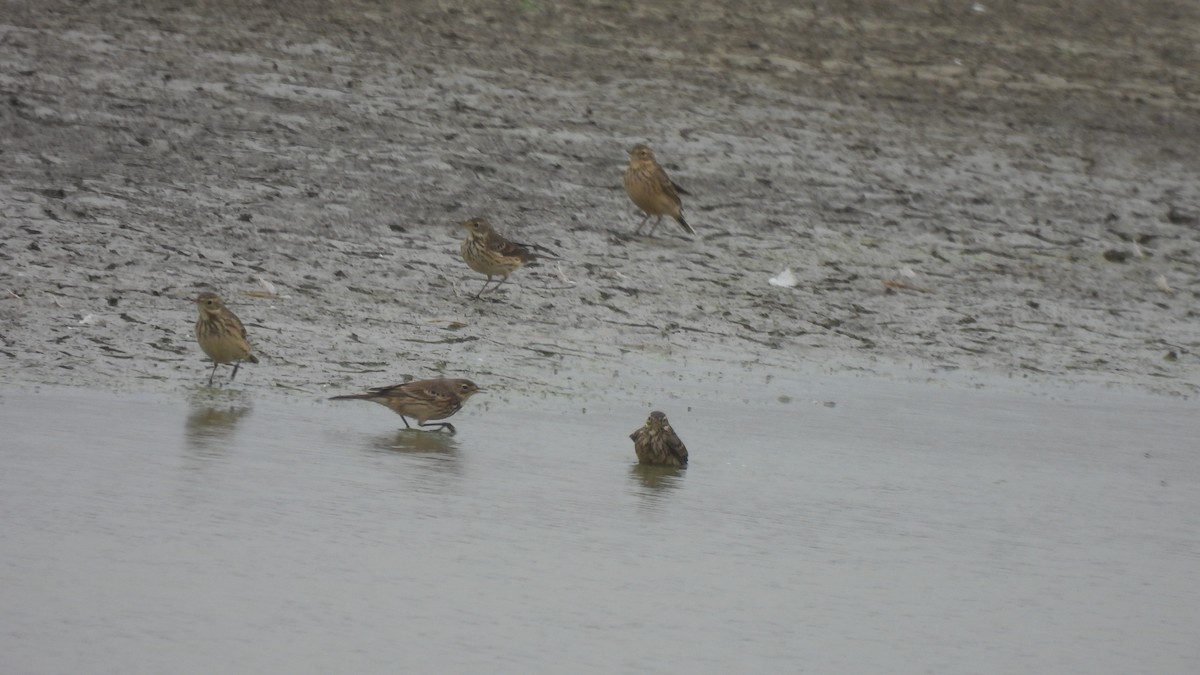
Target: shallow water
x,y
904,528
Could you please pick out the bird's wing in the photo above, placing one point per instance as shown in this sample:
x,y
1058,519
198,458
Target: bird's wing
x,y
433,395
383,391
542,251
403,390
409,391
666,184
512,249
444,402
237,323
677,448
678,189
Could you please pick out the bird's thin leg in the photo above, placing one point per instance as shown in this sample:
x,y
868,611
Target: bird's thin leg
x,y
212,373
440,426
485,285
655,226
642,224
236,365
499,283
405,420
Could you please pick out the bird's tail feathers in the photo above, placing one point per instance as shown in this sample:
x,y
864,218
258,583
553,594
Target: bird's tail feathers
x,y
539,252
542,252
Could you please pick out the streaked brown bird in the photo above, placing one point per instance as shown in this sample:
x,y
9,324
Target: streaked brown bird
x,y
657,443
422,400
488,252
652,191
221,335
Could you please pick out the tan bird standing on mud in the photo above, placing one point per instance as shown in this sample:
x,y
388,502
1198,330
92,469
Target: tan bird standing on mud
x,y
656,443
221,335
487,252
652,191
422,400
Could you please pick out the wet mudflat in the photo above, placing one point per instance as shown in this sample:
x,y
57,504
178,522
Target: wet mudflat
x,y
830,524
1027,174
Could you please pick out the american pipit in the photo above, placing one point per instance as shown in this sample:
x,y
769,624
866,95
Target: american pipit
x,y
221,335
487,252
652,191
656,443
423,400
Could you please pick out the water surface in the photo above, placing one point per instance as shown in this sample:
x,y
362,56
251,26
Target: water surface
x,y
906,528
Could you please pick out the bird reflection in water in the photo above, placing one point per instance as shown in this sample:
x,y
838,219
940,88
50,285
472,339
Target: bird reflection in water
x,y
428,462
654,485
657,478
214,418
405,440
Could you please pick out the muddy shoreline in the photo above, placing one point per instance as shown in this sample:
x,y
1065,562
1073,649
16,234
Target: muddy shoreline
x,y
1026,182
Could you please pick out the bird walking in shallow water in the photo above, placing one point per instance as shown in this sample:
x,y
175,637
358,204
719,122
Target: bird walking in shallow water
x,y
221,335
652,191
656,443
422,400
488,252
